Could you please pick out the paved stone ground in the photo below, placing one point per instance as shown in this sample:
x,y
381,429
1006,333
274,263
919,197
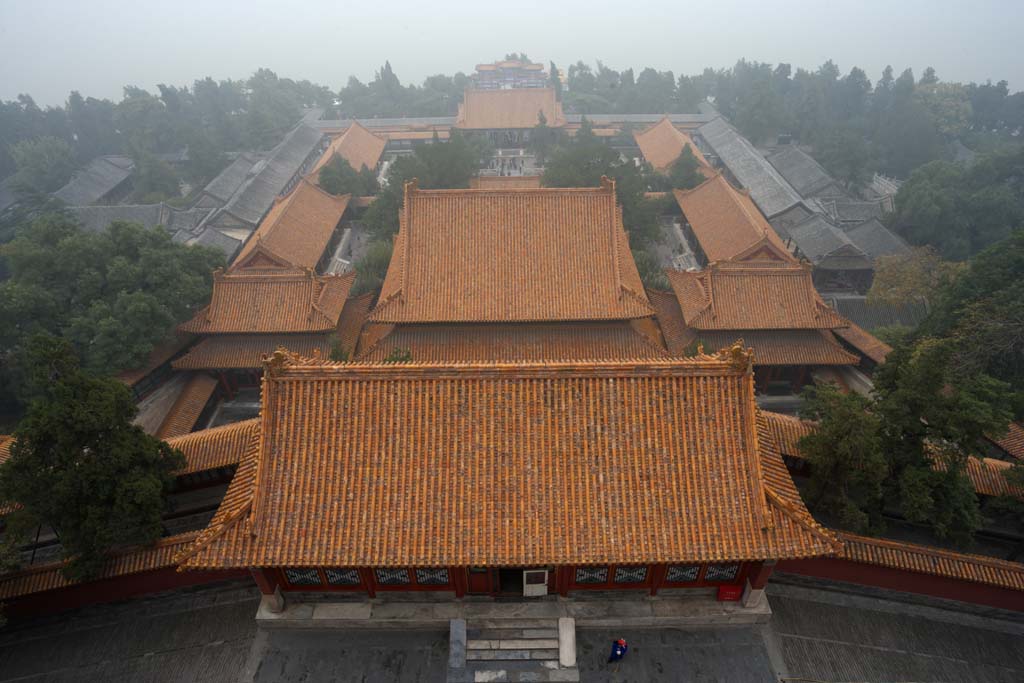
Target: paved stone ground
x,y
692,655
334,655
829,636
192,635
209,634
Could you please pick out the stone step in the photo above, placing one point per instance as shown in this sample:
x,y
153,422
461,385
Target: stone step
x,y
514,622
520,655
514,644
505,675
509,633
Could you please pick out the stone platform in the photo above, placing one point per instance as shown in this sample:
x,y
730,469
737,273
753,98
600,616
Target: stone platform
x,y
588,612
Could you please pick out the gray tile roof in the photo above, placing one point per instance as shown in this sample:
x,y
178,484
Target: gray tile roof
x,y
96,180
231,178
872,316
97,218
805,174
852,210
259,190
823,244
769,190
211,237
875,240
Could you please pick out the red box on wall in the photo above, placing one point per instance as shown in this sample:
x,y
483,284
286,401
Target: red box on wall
x,y
729,593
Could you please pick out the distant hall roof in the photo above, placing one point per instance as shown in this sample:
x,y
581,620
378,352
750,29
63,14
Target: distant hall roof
x,y
514,108
875,240
532,255
826,245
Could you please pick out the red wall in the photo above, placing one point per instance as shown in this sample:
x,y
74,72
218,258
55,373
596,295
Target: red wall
x,y
112,590
906,581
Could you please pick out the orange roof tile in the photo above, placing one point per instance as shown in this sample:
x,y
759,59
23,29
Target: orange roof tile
x,y
934,561
516,108
678,337
548,254
227,351
130,561
784,347
296,230
864,342
515,342
353,319
507,182
189,405
1013,442
222,446
749,296
416,464
787,430
662,143
290,301
357,145
728,224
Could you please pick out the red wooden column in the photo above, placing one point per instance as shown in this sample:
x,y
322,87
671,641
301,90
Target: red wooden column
x,y
757,579
562,575
460,580
369,581
658,574
266,579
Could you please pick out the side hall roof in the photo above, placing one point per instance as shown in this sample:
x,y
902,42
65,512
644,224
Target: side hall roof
x,y
97,179
769,190
662,143
749,296
532,255
827,246
514,108
508,182
296,231
287,301
805,174
412,464
727,224
357,145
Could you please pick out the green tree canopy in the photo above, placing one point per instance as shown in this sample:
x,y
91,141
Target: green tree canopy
x,y
112,294
44,163
79,465
338,177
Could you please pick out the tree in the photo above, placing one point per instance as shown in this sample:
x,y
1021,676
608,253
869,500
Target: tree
x,y
338,177
845,453
154,180
911,277
372,267
112,294
79,465
44,164
685,172
555,81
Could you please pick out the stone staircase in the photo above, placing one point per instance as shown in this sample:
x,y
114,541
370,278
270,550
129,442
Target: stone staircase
x,y
512,649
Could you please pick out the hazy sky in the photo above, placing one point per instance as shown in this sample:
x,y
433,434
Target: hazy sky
x,y
48,48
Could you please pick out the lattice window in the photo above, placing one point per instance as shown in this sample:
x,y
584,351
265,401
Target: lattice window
x,y
432,577
591,575
303,577
630,574
342,577
721,572
683,573
393,577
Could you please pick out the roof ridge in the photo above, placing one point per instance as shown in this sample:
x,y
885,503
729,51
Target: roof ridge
x,y
784,506
931,550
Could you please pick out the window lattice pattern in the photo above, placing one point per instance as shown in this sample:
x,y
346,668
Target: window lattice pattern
x,y
392,577
630,574
302,577
592,575
721,572
683,574
342,577
432,577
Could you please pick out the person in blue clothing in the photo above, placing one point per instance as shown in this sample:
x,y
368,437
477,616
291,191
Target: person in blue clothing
x,y
619,650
